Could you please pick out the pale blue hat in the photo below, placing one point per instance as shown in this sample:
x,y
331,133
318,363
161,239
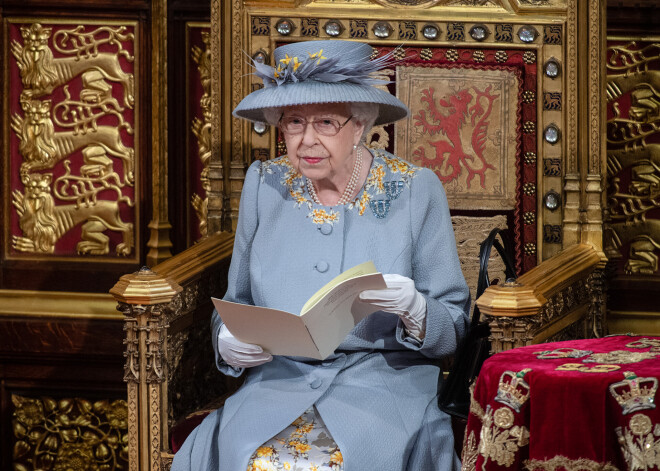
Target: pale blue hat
x,y
326,71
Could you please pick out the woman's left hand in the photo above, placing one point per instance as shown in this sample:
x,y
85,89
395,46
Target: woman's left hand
x,y
400,298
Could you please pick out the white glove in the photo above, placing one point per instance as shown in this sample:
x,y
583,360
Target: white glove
x,y
240,354
400,298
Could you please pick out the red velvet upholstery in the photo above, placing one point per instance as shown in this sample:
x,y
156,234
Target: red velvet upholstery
x,y
583,404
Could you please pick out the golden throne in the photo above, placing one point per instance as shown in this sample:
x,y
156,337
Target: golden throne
x,y
525,75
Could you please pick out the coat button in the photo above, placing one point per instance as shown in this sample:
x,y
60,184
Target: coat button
x,y
322,266
325,229
316,383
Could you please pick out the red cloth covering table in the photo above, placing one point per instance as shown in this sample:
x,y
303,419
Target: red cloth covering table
x,y
573,405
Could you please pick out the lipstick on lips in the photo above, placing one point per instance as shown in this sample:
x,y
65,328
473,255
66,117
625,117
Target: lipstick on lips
x,y
312,160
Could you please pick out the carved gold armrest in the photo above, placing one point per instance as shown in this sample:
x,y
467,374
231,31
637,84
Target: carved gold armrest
x,y
561,298
167,313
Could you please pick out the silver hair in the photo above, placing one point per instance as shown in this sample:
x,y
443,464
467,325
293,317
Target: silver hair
x,y
364,113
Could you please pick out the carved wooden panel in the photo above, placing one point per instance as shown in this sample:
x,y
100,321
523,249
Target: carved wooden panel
x,y
74,143
72,154
61,393
69,433
189,119
632,238
199,116
633,154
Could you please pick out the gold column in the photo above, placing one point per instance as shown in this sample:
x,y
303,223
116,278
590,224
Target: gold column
x,y
571,170
144,298
225,20
159,242
592,230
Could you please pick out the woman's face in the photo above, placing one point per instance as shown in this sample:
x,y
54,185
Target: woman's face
x,y
319,157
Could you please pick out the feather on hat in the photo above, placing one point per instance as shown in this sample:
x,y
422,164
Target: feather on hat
x,y
326,71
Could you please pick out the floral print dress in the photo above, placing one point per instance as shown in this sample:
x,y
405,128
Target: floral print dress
x,y
305,445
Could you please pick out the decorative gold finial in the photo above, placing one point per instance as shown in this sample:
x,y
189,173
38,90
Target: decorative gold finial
x,y
144,287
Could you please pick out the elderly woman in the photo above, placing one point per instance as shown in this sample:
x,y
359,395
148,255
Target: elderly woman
x,y
328,205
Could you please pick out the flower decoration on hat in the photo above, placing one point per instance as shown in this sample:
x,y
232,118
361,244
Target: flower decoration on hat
x,y
323,69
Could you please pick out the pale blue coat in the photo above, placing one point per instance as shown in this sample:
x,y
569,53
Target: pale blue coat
x,y
377,393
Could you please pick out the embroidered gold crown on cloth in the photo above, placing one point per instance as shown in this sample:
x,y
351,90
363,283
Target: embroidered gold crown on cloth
x,y
634,393
513,390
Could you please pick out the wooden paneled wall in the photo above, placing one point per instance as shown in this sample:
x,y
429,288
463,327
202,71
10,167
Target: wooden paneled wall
x,y
113,182
632,240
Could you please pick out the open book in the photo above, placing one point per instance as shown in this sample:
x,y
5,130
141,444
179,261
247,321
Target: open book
x,y
325,320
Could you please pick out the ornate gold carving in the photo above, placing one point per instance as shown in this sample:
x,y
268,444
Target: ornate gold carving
x,y
501,444
218,193
561,462
41,73
69,433
82,54
630,70
408,3
132,365
238,163
596,286
42,147
159,242
640,445
201,128
469,233
596,128
133,421
155,365
166,461
154,426
43,222
144,287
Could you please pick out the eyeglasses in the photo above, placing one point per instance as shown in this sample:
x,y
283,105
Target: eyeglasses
x,y
324,126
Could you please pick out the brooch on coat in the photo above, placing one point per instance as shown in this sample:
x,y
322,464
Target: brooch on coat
x,y
381,208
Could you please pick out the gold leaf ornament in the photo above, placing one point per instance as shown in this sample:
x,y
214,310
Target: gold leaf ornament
x,y
51,443
19,430
20,449
49,404
102,452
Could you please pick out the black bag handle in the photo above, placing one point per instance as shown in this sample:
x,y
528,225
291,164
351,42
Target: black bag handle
x,y
505,252
474,348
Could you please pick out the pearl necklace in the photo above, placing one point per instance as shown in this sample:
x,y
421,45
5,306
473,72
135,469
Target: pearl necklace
x,y
350,187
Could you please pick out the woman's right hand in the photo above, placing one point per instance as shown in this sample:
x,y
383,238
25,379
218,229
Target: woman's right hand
x,y
240,354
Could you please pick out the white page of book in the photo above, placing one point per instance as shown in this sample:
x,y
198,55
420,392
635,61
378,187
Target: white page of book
x,y
315,334
277,332
335,315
